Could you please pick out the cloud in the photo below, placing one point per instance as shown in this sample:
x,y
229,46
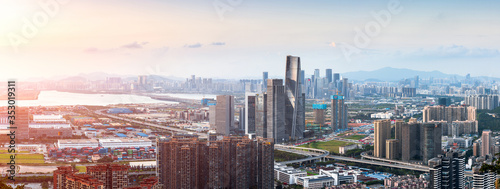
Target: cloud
x,y
135,45
332,44
219,43
197,45
91,50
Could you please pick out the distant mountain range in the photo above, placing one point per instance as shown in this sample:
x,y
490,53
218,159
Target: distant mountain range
x,y
383,74
395,74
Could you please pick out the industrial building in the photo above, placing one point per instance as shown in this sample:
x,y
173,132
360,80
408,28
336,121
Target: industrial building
x,y
77,143
125,143
44,130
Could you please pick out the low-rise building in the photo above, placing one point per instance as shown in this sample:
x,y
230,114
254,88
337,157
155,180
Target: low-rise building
x,y
77,143
286,174
125,143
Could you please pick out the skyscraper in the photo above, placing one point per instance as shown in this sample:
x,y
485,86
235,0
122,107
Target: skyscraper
x,y
315,80
224,116
382,133
408,135
294,103
276,110
261,115
447,171
430,139
242,119
486,143
233,162
339,113
417,82
264,80
329,75
336,78
249,113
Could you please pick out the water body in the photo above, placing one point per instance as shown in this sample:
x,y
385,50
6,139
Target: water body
x,y
187,96
55,98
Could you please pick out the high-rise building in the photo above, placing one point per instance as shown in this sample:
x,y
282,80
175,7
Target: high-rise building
x,y
302,79
60,176
329,75
449,113
224,116
114,176
392,149
482,102
430,141
276,111
319,113
483,180
336,78
211,116
79,181
476,149
242,119
382,133
487,143
295,100
250,113
22,123
261,115
234,162
315,80
265,76
447,171
339,113
408,135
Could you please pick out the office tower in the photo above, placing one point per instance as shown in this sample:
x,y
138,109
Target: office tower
x,y
264,80
483,180
302,79
476,149
22,123
336,78
315,86
261,115
233,162
345,88
447,171
487,143
392,149
416,82
60,174
409,139
382,133
319,113
294,102
430,141
242,119
339,113
224,116
114,176
276,111
329,75
482,102
249,113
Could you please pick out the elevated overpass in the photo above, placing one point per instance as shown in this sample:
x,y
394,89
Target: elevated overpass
x,y
312,153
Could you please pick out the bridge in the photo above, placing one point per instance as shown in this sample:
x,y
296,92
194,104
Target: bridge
x,y
312,153
323,155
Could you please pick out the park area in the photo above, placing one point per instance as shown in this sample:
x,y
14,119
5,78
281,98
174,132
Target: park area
x,y
23,158
331,146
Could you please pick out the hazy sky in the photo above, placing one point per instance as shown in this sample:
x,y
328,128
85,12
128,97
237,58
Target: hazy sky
x,y
242,38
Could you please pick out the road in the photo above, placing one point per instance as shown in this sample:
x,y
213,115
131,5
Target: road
x,y
99,112
313,154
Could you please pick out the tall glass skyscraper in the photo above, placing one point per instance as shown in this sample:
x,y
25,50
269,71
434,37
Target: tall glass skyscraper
x,y
295,99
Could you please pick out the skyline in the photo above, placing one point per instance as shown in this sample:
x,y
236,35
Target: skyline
x,y
185,38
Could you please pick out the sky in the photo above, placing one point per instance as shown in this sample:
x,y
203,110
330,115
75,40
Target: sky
x,y
242,38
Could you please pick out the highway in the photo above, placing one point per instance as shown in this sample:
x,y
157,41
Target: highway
x,y
372,162
99,112
313,154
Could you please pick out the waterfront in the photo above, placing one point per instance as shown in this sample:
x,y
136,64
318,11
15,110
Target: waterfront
x,y
55,98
